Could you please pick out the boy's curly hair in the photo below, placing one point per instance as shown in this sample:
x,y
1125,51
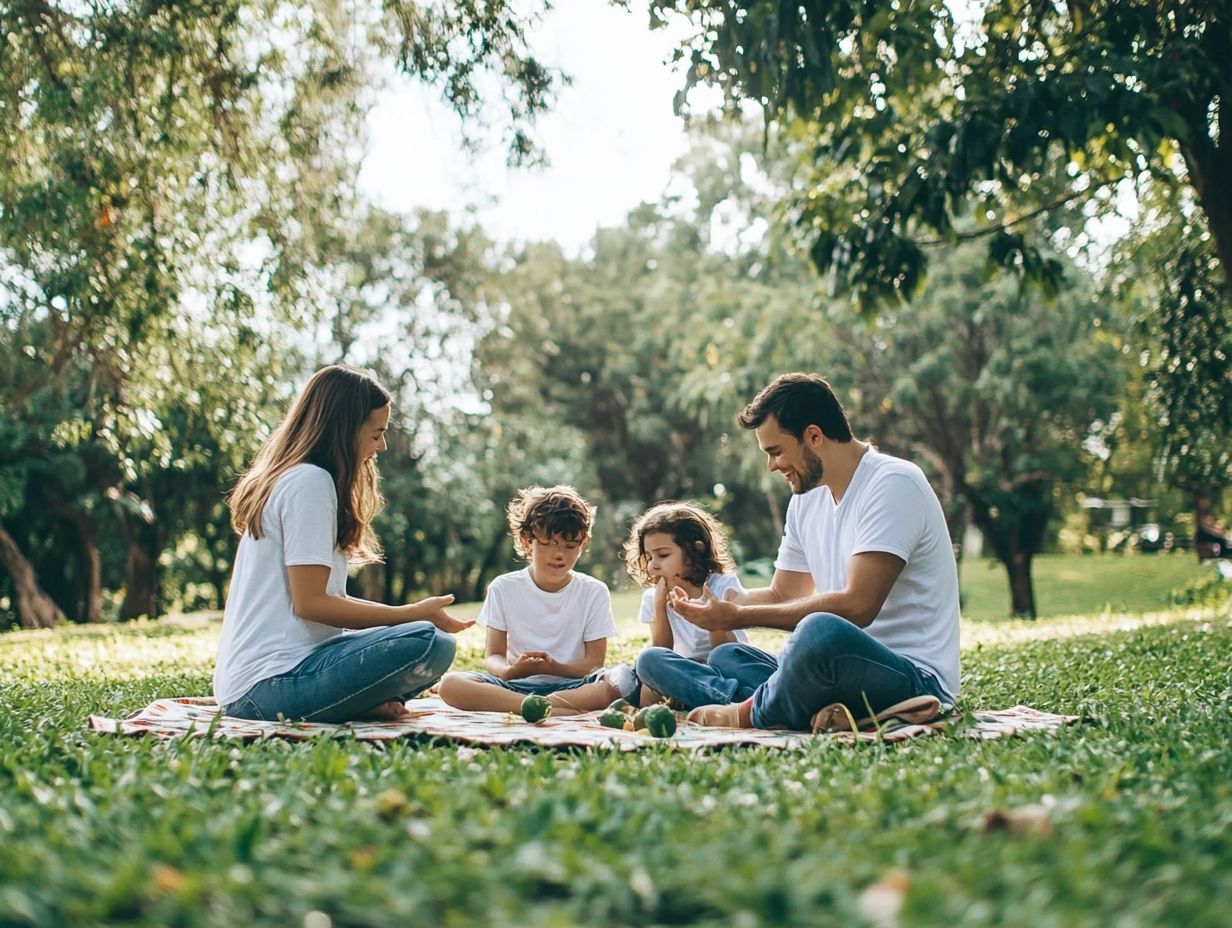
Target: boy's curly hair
x,y
697,532
543,512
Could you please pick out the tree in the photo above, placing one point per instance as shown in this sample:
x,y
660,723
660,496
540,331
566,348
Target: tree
x,y
167,163
994,392
920,124
1175,292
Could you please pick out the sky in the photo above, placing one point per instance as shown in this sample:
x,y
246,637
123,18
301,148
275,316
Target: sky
x,y
611,138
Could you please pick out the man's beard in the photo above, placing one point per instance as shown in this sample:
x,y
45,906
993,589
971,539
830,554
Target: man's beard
x,y
810,477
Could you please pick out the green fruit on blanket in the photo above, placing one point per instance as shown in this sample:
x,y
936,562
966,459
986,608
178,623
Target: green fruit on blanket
x,y
620,705
660,721
612,718
536,708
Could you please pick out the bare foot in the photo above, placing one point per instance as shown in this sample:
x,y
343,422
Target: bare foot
x,y
734,715
391,711
650,697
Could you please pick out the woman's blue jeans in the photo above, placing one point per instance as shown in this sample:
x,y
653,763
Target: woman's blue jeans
x,y
351,674
825,660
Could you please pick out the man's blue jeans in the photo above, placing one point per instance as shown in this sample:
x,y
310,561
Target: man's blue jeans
x,y
348,675
825,660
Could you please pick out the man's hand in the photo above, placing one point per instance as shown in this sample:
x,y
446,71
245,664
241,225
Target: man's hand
x,y
707,611
432,610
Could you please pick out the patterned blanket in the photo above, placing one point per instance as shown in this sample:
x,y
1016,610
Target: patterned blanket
x,y
195,716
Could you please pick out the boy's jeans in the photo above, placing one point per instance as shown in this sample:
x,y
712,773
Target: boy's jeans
x,y
825,660
348,675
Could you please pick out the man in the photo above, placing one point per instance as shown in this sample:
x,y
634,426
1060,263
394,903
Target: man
x,y
865,577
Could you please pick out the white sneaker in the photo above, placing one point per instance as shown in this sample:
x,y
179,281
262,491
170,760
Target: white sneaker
x,y
622,677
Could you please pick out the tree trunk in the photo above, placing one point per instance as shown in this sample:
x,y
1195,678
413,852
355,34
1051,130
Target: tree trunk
x,y
87,535
1022,589
1210,172
140,582
35,609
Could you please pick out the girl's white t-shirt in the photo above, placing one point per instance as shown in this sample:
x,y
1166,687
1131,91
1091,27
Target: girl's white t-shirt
x,y
689,640
558,623
261,634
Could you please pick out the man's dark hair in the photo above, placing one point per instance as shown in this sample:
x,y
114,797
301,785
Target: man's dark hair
x,y
798,401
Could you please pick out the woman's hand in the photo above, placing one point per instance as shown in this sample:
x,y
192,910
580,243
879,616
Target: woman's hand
x,y
432,610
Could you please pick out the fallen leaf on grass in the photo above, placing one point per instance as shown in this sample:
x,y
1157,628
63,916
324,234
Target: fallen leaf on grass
x,y
166,881
1032,819
881,901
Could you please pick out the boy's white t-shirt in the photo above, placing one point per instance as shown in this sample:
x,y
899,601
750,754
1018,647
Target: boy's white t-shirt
x,y
689,640
889,506
557,623
261,634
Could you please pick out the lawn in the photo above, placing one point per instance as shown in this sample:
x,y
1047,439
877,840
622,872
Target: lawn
x,y
1125,819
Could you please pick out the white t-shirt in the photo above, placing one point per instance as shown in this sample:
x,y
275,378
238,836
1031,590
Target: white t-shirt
x,y
557,623
888,507
261,634
688,640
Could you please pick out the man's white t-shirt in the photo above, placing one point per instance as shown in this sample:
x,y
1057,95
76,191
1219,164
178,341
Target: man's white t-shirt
x,y
261,634
889,506
689,640
557,623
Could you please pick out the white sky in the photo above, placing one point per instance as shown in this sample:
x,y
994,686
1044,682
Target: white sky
x,y
611,138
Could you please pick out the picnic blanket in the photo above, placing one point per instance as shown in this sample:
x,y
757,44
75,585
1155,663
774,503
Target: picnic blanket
x,y
201,717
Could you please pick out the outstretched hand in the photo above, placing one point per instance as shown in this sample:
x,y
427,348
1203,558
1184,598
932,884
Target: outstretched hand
x,y
706,611
432,610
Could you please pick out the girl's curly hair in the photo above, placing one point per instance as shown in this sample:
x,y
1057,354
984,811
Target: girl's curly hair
x,y
697,532
544,512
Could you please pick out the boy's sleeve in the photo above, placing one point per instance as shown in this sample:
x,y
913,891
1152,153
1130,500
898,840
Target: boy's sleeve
x,y
600,623
646,608
492,613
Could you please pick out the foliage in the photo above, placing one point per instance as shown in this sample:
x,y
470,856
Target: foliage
x,y
1177,294
1133,826
177,189
919,124
994,391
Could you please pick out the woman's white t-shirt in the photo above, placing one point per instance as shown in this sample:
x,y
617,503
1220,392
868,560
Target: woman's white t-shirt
x,y
261,634
689,640
558,623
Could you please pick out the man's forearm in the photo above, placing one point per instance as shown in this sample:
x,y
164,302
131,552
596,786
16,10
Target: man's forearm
x,y
786,615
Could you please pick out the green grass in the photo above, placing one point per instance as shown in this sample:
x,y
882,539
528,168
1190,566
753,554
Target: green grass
x,y
1067,584
1132,826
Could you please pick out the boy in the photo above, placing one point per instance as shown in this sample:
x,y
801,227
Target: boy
x,y
547,624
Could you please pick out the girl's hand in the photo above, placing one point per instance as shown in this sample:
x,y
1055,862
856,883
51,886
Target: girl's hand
x,y
432,610
660,593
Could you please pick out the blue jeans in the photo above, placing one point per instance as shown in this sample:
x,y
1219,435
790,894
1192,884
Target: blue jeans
x,y
536,689
732,673
825,660
351,674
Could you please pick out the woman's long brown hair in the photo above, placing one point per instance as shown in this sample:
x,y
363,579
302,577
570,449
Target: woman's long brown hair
x,y
321,429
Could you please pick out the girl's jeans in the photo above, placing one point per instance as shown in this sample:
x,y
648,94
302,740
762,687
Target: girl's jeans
x,y
346,676
825,660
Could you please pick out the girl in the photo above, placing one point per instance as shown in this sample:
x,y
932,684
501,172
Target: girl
x,y
679,545
304,511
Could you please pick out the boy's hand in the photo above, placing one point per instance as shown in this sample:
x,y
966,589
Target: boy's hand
x,y
528,664
432,610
